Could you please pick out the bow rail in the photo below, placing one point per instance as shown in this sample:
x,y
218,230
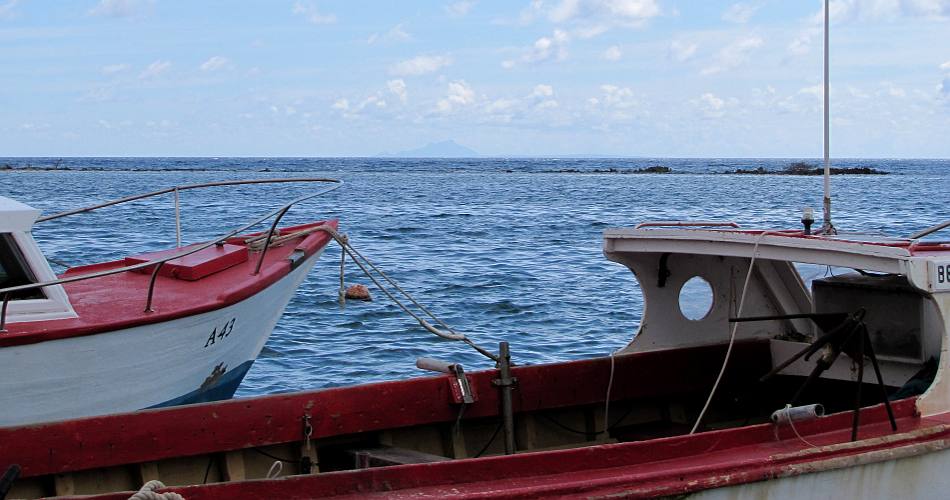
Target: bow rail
x,y
6,293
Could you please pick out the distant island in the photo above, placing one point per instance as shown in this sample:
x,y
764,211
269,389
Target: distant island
x,y
443,149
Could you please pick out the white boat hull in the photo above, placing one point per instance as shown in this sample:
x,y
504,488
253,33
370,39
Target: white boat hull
x,y
915,471
186,360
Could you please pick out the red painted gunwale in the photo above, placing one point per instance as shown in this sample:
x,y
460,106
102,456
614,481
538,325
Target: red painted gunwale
x,y
659,466
916,248
117,301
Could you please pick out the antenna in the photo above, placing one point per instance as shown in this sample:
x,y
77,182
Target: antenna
x,y
827,227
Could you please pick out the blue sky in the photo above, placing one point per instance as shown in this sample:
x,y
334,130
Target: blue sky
x,y
542,77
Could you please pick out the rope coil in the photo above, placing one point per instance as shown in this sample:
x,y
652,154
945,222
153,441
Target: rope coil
x,y
147,492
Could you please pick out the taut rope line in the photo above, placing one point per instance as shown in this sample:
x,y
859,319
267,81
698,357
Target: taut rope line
x,y
365,265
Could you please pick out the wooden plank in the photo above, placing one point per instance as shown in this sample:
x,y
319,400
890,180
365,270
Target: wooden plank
x,y
387,455
234,466
147,471
63,484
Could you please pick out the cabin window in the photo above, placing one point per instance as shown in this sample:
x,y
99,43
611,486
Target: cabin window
x,y
14,271
696,298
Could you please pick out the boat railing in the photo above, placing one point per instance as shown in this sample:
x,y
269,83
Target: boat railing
x,y
278,213
686,223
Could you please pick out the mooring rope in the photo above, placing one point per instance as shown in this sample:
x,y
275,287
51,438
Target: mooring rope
x,y
732,335
147,492
257,243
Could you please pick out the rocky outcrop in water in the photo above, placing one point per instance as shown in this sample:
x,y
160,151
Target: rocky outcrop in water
x,y
656,169
801,168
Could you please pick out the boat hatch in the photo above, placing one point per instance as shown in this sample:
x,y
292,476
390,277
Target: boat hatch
x,y
195,266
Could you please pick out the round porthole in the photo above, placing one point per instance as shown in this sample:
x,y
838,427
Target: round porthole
x,y
696,298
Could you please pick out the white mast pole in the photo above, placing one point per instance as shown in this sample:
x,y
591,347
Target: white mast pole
x,y
827,227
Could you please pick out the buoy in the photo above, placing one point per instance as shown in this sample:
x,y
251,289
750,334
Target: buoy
x,y
358,292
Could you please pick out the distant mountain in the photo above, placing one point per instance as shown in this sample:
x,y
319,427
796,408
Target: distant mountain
x,y
444,149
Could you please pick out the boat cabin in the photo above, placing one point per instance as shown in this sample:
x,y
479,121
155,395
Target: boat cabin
x,y
900,285
21,263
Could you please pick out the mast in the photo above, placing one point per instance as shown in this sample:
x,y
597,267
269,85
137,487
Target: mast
x,y
827,227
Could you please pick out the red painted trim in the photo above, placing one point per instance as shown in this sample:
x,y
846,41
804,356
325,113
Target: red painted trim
x,y
670,466
914,248
156,434
117,301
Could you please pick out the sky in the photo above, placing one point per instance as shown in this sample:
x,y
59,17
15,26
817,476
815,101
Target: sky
x,y
649,78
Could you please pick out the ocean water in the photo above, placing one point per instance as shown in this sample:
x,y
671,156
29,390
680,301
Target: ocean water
x,y
501,249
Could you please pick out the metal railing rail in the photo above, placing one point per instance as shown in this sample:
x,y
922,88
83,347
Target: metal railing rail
x,y
6,293
686,223
929,230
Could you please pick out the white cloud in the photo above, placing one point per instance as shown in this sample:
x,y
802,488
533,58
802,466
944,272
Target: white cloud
x,y
542,90
546,48
614,104
214,63
713,106
6,9
351,111
612,53
945,66
944,88
120,8
460,9
155,69
310,12
893,90
740,13
682,51
398,87
459,94
394,35
622,12
618,97
542,97
420,65
341,104
853,10
733,55
712,102
112,69
802,43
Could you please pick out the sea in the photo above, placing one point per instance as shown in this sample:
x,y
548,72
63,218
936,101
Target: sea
x,y
501,249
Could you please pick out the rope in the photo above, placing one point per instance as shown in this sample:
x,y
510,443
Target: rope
x,y
732,336
365,265
147,492
610,383
791,424
275,469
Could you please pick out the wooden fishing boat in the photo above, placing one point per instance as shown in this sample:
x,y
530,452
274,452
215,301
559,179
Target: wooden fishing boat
x,y
700,402
177,326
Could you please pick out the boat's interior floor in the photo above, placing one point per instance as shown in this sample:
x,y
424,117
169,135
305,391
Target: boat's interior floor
x,y
655,399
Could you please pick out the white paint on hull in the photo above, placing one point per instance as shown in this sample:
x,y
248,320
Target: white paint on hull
x,y
138,367
921,476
